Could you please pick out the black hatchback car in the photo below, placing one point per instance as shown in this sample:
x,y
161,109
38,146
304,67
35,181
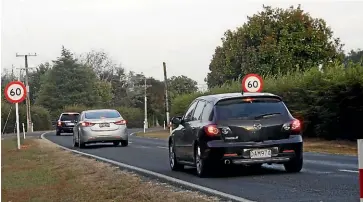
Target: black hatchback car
x,y
66,122
234,128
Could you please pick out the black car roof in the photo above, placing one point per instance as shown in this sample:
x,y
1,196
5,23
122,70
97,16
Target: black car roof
x,y
218,97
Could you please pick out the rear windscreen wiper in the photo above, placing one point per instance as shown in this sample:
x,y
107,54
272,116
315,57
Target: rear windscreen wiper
x,y
264,115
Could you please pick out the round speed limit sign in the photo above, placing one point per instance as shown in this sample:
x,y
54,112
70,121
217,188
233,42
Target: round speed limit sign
x,y
15,92
252,83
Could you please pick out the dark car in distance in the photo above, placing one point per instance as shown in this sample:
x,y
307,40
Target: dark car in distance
x,y
66,122
234,128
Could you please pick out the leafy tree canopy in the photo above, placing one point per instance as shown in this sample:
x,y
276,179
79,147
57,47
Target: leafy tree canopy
x,y
274,41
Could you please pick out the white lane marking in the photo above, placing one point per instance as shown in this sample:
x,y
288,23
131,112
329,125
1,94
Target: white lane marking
x,y
130,142
349,171
161,176
162,147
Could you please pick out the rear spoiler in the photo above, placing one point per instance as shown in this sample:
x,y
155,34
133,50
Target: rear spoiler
x,y
252,97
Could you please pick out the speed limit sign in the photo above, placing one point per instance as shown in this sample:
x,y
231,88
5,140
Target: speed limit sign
x,y
15,92
252,83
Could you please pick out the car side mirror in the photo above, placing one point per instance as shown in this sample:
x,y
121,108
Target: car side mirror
x,y
176,120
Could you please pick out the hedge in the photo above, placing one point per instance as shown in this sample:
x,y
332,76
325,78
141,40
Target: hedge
x,y
39,115
329,103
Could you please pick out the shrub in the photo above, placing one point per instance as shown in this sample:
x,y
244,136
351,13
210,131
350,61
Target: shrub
x,y
134,116
329,103
39,115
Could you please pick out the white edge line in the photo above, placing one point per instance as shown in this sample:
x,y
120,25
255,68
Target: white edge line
x,y
158,175
349,171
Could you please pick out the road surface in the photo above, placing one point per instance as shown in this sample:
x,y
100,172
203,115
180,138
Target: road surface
x,y
323,178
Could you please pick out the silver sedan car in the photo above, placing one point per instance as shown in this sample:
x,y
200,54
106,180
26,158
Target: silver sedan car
x,y
101,125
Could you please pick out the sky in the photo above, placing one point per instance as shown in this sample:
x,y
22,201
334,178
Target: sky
x,y
142,34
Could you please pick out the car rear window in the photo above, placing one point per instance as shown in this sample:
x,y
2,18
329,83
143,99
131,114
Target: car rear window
x,y
69,117
102,114
248,108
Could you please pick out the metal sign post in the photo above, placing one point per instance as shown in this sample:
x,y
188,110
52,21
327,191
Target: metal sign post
x,y
15,92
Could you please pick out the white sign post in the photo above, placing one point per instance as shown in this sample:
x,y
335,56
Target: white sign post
x,y
252,83
15,92
24,130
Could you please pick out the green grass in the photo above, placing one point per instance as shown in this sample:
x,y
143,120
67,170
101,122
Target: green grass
x,y
42,172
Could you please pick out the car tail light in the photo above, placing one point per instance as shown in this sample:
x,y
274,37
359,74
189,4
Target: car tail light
x,y
211,130
87,124
294,125
122,122
59,123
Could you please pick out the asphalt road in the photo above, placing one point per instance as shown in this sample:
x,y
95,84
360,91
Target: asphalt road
x,y
323,178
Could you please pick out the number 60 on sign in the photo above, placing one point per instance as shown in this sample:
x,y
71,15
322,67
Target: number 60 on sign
x,y
15,92
252,83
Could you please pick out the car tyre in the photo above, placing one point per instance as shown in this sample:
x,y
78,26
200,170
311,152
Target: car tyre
x,y
116,143
294,166
201,164
124,143
174,165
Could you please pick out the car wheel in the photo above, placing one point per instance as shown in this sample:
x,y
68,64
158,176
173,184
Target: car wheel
x,y
116,143
124,143
294,166
58,133
201,164
174,165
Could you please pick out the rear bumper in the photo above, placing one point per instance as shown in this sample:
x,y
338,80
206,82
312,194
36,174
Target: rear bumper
x,y
65,128
89,136
239,153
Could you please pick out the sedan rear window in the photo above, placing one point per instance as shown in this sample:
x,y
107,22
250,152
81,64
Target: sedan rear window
x,y
102,114
69,117
249,108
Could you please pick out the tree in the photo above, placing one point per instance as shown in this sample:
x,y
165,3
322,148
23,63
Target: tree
x,y
181,85
355,56
35,78
274,41
101,63
68,83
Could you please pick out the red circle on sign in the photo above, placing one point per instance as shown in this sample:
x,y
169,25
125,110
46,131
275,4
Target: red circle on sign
x,y
9,98
252,75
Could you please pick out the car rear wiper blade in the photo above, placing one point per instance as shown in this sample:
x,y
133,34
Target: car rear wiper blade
x,y
264,115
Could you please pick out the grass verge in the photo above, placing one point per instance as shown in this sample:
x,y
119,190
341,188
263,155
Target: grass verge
x,y
310,144
43,172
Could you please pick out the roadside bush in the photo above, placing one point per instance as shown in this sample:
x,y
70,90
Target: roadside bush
x,y
40,117
329,103
134,116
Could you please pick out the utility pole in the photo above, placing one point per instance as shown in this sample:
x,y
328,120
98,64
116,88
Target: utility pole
x,y
166,97
145,97
12,72
28,115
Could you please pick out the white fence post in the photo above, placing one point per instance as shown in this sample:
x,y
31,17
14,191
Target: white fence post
x,y
360,164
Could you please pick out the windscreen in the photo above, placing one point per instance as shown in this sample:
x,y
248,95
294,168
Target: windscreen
x,y
249,108
102,115
69,117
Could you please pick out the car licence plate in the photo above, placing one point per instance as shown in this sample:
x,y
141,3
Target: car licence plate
x,y
102,125
260,153
70,124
